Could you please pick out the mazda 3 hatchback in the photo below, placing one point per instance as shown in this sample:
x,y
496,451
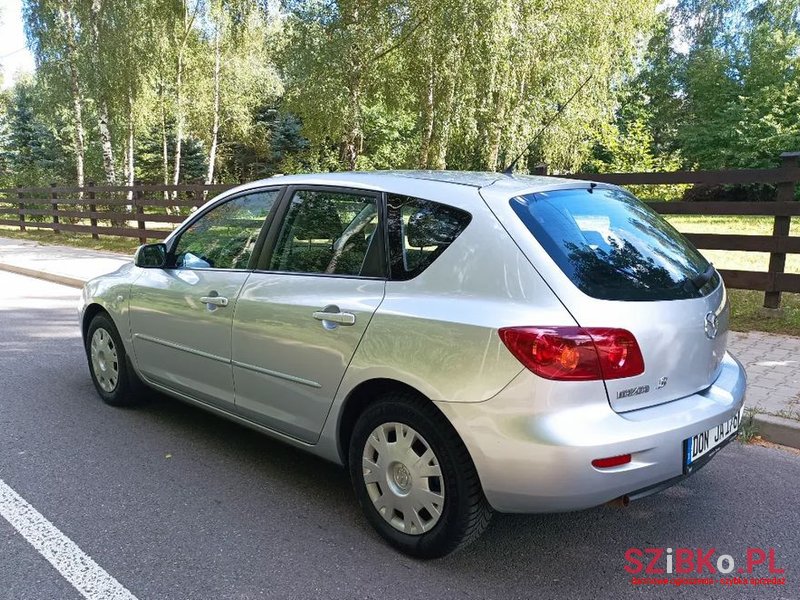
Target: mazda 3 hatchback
x,y
460,342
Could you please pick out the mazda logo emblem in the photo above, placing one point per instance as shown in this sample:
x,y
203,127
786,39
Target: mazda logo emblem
x,y
711,325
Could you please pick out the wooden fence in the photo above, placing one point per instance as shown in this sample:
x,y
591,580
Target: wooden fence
x,y
140,211
152,211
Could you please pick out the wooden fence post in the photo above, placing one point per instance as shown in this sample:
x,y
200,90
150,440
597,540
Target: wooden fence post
x,y
92,208
780,229
140,211
21,207
54,206
199,196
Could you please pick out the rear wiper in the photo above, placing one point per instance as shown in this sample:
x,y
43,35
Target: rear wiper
x,y
699,280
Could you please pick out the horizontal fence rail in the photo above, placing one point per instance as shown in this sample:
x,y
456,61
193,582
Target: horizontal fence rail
x,y
145,211
151,212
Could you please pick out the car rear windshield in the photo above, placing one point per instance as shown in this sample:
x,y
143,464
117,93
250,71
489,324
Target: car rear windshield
x,y
613,246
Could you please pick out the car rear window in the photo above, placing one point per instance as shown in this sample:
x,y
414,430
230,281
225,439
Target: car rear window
x,y
613,246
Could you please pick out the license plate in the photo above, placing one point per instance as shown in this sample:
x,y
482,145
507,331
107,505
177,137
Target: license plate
x,y
701,444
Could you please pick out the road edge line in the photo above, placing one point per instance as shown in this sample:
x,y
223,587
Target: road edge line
x,y
72,563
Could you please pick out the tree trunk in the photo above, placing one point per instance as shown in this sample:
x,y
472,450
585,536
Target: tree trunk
x,y
130,162
176,173
212,152
102,105
427,118
441,131
164,144
105,142
188,20
494,131
352,136
77,102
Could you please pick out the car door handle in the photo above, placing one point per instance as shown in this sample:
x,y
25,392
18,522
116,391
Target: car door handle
x,y
215,300
342,318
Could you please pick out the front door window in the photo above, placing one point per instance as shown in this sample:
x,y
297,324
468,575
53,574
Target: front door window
x,y
224,237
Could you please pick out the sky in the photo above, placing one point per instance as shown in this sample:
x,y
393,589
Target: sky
x,y
14,56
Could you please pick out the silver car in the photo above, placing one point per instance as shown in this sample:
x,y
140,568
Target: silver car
x,y
460,342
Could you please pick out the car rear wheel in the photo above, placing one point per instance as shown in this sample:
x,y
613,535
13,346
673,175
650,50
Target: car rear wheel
x,y
414,478
113,378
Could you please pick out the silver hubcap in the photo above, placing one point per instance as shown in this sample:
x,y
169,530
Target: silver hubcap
x,y
104,359
403,478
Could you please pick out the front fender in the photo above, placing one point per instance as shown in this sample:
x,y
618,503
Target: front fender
x,y
111,293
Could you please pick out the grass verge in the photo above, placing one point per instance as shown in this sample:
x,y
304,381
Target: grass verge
x,y
76,240
748,430
747,313
727,224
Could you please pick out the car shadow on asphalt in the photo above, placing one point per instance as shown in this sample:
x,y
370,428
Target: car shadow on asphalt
x,y
517,540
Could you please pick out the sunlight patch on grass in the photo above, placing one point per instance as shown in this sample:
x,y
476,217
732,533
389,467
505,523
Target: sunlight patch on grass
x,y
734,259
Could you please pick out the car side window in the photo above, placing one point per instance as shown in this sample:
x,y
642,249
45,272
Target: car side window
x,y
419,231
224,237
329,232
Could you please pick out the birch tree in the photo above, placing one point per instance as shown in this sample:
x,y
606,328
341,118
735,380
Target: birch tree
x,y
51,31
180,36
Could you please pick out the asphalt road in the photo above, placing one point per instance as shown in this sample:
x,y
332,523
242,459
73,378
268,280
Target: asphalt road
x,y
176,503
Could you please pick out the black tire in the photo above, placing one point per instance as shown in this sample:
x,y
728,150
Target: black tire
x,y
465,514
127,387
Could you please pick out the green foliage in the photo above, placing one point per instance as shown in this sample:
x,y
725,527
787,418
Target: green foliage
x,y
30,145
149,149
252,89
742,87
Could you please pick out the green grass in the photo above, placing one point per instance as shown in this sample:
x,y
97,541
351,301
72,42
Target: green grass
x,y
725,259
747,428
747,313
727,224
76,240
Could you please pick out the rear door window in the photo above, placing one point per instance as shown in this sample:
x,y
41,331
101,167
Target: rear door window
x,y
332,233
613,246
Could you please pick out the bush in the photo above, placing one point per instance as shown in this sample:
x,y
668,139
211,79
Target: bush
x,y
756,192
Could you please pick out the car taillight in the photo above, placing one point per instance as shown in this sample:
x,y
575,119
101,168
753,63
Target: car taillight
x,y
575,353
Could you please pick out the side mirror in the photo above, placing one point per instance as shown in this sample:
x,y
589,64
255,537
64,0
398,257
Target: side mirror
x,y
151,256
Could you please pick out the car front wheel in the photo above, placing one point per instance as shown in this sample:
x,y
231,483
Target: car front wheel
x,y
414,478
113,378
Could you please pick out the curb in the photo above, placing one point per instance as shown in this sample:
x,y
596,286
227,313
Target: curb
x,y
54,277
778,430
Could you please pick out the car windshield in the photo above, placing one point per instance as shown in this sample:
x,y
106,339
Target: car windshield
x,y
613,246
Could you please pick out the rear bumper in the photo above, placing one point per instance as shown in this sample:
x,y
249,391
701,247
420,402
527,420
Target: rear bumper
x,y
533,456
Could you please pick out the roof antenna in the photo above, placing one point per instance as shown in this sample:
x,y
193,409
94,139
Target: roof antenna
x,y
509,170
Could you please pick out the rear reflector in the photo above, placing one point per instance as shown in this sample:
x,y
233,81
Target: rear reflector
x,y
611,461
575,353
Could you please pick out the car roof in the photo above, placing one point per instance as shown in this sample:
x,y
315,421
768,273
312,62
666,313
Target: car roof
x,y
402,181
